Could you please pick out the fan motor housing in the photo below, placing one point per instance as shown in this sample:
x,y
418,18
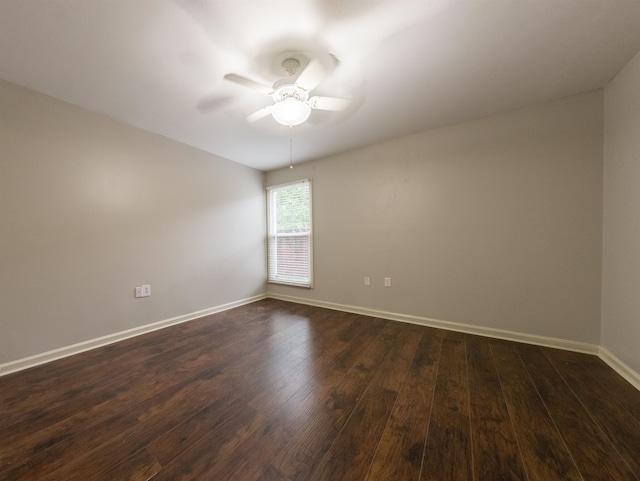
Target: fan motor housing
x,y
284,89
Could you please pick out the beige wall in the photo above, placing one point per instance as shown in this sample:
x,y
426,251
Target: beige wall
x,y
495,223
91,208
621,241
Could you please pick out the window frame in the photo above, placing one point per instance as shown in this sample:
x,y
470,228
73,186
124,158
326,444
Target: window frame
x,y
272,235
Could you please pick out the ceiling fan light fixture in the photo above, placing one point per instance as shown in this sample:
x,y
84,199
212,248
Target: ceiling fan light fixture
x,y
291,112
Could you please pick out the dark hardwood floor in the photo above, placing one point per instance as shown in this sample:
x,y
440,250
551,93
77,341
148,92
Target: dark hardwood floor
x,y
274,391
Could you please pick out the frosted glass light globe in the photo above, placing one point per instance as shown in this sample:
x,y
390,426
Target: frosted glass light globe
x,y
291,112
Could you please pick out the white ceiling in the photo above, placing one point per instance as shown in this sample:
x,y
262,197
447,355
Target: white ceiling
x,y
407,65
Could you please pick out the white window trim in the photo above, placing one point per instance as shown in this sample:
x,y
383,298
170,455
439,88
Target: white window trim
x,y
270,223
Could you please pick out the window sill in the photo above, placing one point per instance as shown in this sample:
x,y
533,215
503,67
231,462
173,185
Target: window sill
x,y
292,284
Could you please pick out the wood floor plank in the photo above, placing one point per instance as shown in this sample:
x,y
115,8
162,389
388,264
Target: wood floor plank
x,y
38,384
611,381
370,361
289,339
49,449
251,458
323,339
589,447
272,474
170,444
543,450
277,391
74,438
95,451
350,455
327,408
346,327
447,453
34,417
620,427
215,449
355,324
394,369
400,450
132,355
496,455
272,398
140,466
195,395
94,366
175,361
240,385
314,416
370,330
452,386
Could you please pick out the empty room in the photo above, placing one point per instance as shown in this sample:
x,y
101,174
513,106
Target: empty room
x,y
320,240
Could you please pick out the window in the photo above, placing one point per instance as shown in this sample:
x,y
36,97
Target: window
x,y
289,241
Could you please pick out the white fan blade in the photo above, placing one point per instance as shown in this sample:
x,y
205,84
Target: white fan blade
x,y
329,103
311,76
257,115
252,84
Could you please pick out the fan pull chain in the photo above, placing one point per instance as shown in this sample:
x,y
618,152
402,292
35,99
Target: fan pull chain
x,y
290,148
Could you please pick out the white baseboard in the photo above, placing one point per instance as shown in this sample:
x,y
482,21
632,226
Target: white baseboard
x,y
620,367
616,364
451,326
66,351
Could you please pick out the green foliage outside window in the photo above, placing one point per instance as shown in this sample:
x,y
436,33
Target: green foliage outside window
x,y
293,213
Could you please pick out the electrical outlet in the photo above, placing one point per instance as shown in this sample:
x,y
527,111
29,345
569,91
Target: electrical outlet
x,y
367,281
143,290
387,282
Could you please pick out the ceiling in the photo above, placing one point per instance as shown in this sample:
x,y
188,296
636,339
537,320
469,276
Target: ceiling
x,y
406,65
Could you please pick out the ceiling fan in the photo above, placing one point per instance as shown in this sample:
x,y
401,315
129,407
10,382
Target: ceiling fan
x,y
292,103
